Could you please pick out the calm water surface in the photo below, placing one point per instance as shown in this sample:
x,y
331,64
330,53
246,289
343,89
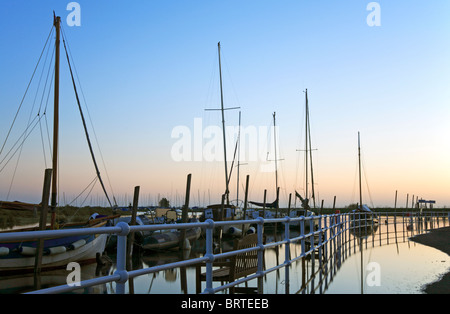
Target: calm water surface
x,y
403,266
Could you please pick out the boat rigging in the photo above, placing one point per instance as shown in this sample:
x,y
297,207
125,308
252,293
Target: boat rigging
x,y
222,109
308,161
59,35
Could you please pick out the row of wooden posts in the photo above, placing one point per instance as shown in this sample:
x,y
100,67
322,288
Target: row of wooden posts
x,y
45,200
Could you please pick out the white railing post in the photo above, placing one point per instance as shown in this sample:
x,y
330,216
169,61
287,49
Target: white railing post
x,y
209,254
320,242
302,233
260,233
287,261
326,236
121,257
311,242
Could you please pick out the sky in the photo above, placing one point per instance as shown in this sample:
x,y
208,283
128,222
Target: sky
x,y
149,69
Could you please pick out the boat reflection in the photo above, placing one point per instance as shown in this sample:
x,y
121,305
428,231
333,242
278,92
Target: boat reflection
x,y
311,275
23,283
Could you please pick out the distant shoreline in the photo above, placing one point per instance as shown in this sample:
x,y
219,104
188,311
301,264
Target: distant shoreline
x,y
438,239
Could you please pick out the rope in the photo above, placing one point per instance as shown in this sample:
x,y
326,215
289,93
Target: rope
x,y
81,193
26,91
84,125
25,136
367,182
89,116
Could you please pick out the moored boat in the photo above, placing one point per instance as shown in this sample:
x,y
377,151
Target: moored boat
x,y
169,239
139,237
56,252
364,221
19,256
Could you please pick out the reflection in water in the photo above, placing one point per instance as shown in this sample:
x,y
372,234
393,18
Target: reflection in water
x,y
25,283
341,266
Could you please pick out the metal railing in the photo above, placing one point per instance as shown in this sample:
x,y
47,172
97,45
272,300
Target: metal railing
x,y
323,230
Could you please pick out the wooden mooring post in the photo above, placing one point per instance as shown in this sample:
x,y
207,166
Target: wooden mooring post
x,y
130,238
245,203
184,215
264,204
42,223
289,204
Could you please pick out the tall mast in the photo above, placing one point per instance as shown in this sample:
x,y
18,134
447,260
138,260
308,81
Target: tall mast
x,y
222,109
57,24
313,195
306,143
275,146
359,162
239,157
308,153
227,191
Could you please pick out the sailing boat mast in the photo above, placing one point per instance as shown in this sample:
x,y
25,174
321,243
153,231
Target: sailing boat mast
x,y
238,163
306,143
275,150
308,153
313,195
359,163
227,191
57,24
222,109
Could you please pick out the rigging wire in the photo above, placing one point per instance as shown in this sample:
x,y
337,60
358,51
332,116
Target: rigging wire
x,y
366,180
13,150
17,149
69,53
32,123
355,180
93,182
301,136
44,113
207,176
26,91
84,124
30,119
42,101
17,146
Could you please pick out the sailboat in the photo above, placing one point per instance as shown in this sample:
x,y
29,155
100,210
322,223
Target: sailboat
x,y
363,221
20,256
225,210
217,211
275,204
306,211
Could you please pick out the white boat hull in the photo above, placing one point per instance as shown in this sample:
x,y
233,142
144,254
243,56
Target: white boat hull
x,y
83,254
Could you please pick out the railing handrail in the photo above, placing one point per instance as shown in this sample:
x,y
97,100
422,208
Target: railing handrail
x,y
122,229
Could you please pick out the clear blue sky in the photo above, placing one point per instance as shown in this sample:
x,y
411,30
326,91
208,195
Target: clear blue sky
x,y
147,67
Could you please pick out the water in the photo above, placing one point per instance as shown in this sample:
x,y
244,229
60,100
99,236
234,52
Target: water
x,y
391,263
404,268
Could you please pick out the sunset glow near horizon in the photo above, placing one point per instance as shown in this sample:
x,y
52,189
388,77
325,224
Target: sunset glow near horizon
x,y
148,70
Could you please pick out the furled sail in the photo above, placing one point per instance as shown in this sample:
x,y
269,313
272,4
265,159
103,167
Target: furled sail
x,y
304,201
268,205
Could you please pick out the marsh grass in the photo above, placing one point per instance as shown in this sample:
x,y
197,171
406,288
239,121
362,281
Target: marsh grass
x,y
70,214
66,214
8,219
